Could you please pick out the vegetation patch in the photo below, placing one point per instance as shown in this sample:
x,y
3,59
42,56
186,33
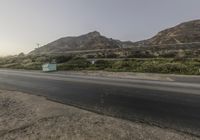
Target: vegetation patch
x,y
177,65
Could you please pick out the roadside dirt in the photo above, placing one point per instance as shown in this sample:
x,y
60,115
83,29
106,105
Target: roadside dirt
x,y
28,117
126,75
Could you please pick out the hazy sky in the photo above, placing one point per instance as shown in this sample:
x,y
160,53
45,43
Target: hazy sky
x,y
23,23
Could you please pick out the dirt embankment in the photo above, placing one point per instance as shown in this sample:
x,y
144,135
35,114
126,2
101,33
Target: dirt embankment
x,y
28,117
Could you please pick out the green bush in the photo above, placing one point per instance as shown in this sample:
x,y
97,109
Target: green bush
x,y
74,64
102,64
33,66
150,65
121,65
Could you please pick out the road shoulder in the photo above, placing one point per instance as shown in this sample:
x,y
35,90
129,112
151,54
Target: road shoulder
x,y
25,116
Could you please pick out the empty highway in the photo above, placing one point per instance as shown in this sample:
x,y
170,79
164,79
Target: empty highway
x,y
169,104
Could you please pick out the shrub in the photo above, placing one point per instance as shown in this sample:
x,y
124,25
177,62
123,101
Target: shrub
x,y
74,64
33,66
121,65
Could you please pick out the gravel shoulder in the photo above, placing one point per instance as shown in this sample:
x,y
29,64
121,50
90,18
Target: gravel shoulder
x,y
29,117
122,75
136,76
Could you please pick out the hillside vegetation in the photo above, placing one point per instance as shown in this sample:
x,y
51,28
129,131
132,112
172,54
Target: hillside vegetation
x,y
149,65
175,50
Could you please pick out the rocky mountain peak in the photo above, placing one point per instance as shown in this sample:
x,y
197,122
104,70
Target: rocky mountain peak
x,y
94,34
90,41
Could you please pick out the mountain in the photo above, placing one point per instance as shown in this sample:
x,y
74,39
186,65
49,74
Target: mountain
x,y
91,41
186,32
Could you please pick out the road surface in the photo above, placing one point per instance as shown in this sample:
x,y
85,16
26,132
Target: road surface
x,y
169,104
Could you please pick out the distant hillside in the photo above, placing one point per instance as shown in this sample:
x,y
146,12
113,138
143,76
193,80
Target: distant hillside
x,y
91,41
183,33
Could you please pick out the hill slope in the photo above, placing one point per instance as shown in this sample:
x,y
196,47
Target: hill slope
x,y
183,33
186,32
91,41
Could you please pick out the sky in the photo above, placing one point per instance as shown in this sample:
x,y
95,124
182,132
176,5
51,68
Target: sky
x,y
24,23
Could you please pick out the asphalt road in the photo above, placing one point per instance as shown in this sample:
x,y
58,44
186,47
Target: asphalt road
x,y
173,105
